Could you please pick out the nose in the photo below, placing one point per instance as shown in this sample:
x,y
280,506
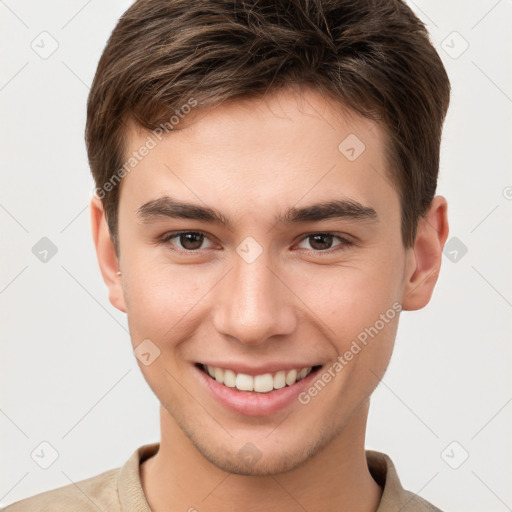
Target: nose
x,y
254,303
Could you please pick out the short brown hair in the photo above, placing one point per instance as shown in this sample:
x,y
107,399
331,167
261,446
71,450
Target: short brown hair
x,y
373,56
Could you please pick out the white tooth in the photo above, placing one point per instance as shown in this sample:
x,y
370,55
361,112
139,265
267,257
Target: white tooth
x,y
291,377
219,375
263,383
229,378
244,382
280,379
302,373
260,383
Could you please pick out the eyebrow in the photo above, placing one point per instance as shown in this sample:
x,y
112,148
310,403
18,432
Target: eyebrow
x,y
169,207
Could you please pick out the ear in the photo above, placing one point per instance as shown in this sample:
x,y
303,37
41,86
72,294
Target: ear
x,y
107,257
424,258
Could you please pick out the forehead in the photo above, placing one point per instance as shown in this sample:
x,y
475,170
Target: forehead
x,y
258,153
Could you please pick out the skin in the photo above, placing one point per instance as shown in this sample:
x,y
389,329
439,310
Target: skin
x,y
297,301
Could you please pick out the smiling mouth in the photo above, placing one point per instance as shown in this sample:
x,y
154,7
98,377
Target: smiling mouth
x,y
264,383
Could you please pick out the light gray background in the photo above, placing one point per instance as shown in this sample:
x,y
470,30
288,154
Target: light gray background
x,y
68,374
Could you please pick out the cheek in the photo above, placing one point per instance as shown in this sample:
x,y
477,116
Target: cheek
x,y
359,309
349,300
161,300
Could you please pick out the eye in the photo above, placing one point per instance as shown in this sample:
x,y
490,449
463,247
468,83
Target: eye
x,y
322,242
189,241
192,242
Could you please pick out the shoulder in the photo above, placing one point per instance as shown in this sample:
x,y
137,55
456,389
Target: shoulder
x,y
110,491
394,496
415,503
99,492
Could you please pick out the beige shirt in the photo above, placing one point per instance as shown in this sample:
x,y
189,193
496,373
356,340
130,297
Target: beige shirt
x,y
120,489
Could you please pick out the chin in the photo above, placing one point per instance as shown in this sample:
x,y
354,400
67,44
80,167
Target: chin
x,y
263,457
260,465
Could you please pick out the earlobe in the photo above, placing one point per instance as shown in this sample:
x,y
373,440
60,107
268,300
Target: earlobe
x,y
106,254
424,259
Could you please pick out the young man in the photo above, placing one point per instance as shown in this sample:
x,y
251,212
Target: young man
x,y
265,209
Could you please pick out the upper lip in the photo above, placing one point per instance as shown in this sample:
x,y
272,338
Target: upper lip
x,y
260,369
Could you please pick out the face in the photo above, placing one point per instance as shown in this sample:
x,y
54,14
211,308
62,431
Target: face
x,y
252,245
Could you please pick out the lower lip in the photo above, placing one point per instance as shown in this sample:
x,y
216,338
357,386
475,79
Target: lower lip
x,y
255,404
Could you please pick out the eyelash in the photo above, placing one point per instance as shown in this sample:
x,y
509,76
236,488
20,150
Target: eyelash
x,y
344,242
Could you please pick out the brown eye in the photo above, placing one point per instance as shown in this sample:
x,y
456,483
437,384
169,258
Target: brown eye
x,y
191,241
321,242
186,240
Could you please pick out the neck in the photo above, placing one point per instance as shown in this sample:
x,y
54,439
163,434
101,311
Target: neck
x,y
178,477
